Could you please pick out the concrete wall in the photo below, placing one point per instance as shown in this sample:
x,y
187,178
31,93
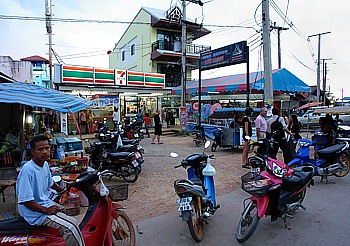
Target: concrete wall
x,y
21,71
142,37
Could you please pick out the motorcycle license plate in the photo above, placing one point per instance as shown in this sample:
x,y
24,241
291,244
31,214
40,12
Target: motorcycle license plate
x,y
184,204
255,170
135,163
137,155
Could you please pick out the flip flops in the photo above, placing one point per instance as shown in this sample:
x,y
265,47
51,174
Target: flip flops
x,y
160,143
153,143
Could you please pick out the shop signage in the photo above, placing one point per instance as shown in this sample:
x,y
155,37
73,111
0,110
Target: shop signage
x,y
102,101
101,76
104,76
224,56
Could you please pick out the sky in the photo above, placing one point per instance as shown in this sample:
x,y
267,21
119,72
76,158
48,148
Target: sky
x,y
230,21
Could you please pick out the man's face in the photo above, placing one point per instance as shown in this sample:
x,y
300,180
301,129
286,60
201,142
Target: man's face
x,y
41,152
263,113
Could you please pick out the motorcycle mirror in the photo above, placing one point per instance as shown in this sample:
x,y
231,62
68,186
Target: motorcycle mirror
x,y
173,154
207,144
56,179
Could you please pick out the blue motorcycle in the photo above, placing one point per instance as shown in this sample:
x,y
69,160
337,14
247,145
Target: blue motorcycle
x,y
332,160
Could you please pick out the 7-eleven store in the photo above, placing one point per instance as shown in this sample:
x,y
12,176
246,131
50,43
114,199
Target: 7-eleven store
x,y
129,91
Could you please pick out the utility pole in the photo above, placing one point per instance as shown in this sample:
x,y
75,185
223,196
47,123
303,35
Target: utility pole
x,y
324,79
268,89
279,30
183,53
318,63
48,14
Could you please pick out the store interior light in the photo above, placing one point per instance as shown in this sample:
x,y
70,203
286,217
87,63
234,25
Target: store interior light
x,y
29,119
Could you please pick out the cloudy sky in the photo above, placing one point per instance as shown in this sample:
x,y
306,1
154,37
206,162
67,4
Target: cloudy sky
x,y
230,21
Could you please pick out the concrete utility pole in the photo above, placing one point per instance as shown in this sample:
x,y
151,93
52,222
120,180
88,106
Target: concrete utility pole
x,y
183,53
324,79
279,30
318,63
268,89
48,14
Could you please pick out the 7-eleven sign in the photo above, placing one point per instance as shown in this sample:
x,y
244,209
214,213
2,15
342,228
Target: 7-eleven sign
x,y
120,77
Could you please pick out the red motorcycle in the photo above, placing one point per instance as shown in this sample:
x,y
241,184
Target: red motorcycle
x,y
103,224
276,190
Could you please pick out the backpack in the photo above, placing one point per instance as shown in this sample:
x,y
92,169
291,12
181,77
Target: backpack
x,y
277,131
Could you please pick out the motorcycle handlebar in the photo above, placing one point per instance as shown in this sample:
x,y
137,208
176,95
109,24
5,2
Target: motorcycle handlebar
x,y
178,166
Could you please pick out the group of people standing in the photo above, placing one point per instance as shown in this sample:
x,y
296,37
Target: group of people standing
x,y
287,143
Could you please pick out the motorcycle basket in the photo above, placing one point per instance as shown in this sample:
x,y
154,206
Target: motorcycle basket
x,y
118,192
255,184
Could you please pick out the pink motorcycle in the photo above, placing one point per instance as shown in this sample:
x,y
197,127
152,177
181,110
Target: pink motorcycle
x,y
276,190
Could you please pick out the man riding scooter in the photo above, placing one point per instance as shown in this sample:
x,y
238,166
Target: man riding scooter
x,y
32,186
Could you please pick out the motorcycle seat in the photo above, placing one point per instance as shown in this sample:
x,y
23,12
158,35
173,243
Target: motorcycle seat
x,y
323,153
196,181
125,148
130,141
297,180
118,156
16,225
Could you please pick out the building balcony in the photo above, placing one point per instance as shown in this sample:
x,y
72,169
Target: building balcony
x,y
171,51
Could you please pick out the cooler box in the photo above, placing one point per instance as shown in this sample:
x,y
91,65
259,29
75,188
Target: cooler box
x,y
69,144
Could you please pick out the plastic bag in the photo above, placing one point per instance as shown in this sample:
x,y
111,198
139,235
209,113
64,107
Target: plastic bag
x,y
103,189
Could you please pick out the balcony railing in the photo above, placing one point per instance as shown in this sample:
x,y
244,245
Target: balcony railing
x,y
177,47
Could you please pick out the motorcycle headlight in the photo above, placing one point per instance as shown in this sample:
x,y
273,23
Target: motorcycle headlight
x,y
278,171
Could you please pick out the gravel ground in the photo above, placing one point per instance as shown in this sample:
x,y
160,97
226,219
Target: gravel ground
x,y
153,193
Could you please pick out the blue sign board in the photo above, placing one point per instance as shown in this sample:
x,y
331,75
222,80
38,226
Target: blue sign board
x,y
224,56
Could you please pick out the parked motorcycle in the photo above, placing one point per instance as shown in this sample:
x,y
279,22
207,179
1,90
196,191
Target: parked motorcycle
x,y
114,144
197,201
105,222
120,164
276,190
332,160
198,136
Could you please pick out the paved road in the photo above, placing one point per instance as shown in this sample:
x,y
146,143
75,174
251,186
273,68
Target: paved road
x,y
326,221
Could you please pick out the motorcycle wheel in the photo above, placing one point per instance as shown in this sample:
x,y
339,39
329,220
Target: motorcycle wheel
x,y
344,162
123,230
247,225
214,145
129,173
195,223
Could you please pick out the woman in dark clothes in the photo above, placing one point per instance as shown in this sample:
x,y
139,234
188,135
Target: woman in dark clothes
x,y
247,134
293,127
157,128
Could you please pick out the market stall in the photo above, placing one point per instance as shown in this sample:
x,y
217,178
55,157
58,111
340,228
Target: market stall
x,y
18,101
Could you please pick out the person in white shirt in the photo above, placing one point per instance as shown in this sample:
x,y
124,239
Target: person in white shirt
x,y
260,124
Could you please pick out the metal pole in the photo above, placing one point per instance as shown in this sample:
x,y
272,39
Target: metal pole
x,y
199,91
318,64
247,77
183,56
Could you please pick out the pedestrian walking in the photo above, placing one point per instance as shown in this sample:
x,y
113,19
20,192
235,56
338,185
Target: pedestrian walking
x,y
157,127
115,118
260,124
247,134
147,121
83,123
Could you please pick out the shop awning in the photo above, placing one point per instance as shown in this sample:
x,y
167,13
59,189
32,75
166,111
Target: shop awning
x,y
282,80
37,96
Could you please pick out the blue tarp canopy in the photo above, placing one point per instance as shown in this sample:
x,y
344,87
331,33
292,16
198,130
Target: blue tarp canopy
x,y
282,80
37,96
